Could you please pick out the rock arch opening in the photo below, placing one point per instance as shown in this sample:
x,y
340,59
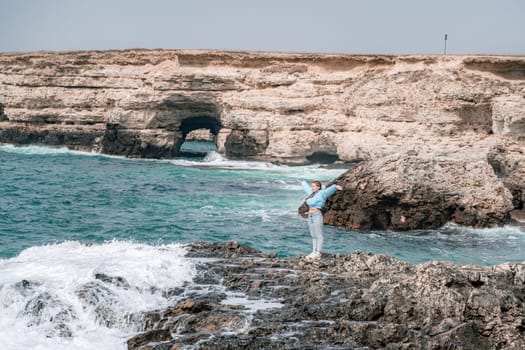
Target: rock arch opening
x,y
323,158
199,136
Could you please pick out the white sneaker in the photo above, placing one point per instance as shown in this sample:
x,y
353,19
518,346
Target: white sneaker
x,y
313,255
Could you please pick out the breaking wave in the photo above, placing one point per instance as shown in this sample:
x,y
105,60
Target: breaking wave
x,y
76,296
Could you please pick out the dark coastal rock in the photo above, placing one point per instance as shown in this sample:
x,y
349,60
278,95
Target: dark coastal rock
x,y
69,136
416,190
101,299
135,144
355,301
114,280
25,287
148,337
240,144
47,309
231,249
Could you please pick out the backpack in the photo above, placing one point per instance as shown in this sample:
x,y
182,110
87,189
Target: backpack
x,y
303,208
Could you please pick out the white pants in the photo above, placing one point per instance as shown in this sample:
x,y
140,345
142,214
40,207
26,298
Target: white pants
x,y
315,224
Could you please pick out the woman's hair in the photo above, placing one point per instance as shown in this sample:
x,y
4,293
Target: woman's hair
x,y
318,183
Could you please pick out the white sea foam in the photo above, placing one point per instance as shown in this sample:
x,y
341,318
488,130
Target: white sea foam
x,y
34,149
212,160
265,215
251,305
496,232
216,160
74,296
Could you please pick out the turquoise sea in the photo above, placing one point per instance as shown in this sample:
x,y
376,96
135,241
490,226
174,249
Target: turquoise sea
x,y
66,216
54,195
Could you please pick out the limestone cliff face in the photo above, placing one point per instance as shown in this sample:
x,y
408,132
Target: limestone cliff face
x,y
290,108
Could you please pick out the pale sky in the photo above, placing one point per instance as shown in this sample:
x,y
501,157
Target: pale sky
x,y
335,26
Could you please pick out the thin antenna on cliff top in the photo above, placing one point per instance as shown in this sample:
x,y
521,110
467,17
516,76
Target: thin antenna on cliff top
x,y
445,51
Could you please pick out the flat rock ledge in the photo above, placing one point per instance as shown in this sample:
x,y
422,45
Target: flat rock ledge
x,y
354,301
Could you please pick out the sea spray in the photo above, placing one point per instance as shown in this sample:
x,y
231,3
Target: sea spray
x,y
77,296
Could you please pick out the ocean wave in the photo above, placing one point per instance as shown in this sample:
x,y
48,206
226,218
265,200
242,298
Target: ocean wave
x,y
38,150
454,232
216,160
82,296
502,231
212,160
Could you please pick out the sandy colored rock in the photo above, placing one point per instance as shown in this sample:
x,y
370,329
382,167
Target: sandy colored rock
x,y
279,107
200,135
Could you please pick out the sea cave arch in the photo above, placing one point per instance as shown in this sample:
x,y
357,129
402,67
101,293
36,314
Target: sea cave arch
x,y
204,130
323,158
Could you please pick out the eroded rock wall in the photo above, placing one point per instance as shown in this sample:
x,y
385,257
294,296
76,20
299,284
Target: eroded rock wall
x,y
268,106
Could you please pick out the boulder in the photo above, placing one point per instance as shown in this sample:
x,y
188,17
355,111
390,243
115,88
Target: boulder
x,y
418,190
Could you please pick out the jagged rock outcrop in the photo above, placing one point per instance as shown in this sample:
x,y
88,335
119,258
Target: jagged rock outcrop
x,y
350,301
509,164
415,189
280,107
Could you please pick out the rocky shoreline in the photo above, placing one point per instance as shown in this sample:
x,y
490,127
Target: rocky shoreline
x,y
354,301
449,131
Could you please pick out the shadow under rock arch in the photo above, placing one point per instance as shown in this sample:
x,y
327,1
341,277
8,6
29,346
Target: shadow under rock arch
x,y
196,123
200,122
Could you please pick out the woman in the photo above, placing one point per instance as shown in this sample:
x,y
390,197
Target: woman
x,y
316,199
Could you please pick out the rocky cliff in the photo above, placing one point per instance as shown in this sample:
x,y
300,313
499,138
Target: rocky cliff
x,y
290,108
463,112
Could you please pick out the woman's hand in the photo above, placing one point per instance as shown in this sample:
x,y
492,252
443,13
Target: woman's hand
x,y
339,187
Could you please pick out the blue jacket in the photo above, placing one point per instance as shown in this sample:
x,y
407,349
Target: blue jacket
x,y
319,199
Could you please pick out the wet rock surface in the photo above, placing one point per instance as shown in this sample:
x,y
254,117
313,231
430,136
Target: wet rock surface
x,y
244,299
